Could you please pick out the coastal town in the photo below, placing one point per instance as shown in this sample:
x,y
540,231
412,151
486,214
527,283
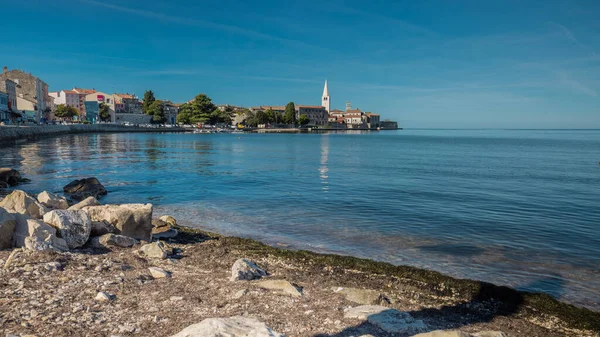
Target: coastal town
x,y
27,99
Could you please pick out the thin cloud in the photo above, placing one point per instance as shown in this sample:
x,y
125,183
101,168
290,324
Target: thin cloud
x,y
193,22
574,85
401,23
569,35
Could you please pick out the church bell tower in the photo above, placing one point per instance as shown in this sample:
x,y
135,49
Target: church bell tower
x,y
326,100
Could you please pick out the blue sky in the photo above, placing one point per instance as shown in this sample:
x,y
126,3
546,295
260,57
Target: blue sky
x,y
438,64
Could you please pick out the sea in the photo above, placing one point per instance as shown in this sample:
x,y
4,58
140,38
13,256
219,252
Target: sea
x,y
512,207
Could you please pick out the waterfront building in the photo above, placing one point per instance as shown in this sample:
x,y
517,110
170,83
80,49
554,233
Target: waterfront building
x,y
276,108
10,88
32,93
171,110
98,98
372,120
66,97
127,103
82,93
4,112
326,100
388,125
317,115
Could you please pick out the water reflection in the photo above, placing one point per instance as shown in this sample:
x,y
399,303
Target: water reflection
x,y
323,169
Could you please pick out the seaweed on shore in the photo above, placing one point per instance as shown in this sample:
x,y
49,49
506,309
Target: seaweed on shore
x,y
500,300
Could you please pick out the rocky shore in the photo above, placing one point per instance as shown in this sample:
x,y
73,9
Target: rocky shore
x,y
70,266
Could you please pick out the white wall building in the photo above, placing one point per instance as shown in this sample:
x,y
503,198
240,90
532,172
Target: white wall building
x,y
107,99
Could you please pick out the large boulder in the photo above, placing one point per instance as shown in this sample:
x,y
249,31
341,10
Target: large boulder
x,y
81,189
73,226
133,220
36,235
52,200
10,176
20,202
100,228
3,184
89,201
244,269
8,222
112,240
233,326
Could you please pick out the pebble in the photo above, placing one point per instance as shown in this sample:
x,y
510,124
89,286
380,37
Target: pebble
x,y
103,297
159,272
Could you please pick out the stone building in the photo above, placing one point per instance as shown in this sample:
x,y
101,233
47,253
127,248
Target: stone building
x,y
171,110
317,115
32,93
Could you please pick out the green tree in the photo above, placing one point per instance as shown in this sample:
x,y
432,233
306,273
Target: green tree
x,y
303,119
261,117
289,117
250,119
65,111
271,116
104,112
148,100
200,110
157,111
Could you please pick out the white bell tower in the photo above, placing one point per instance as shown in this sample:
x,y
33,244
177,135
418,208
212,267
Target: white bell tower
x,y
326,100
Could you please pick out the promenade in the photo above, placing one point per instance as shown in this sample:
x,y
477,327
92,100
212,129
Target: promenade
x,y
12,134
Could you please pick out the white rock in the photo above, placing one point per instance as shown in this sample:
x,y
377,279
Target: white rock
x,y
103,297
231,327
36,235
20,202
156,250
159,272
244,269
282,286
8,222
388,320
52,200
239,294
169,220
89,201
73,226
133,220
112,240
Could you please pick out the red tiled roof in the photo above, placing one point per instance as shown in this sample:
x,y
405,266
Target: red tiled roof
x,y
70,92
84,91
353,111
310,106
126,96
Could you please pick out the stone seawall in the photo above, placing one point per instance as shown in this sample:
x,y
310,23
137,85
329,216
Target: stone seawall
x,y
11,134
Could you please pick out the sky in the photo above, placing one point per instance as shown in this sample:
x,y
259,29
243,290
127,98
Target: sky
x,y
426,64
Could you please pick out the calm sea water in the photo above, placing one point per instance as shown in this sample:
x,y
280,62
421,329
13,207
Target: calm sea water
x,y
518,208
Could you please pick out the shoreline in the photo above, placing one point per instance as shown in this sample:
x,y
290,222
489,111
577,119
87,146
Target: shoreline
x,y
52,293
508,301
12,135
